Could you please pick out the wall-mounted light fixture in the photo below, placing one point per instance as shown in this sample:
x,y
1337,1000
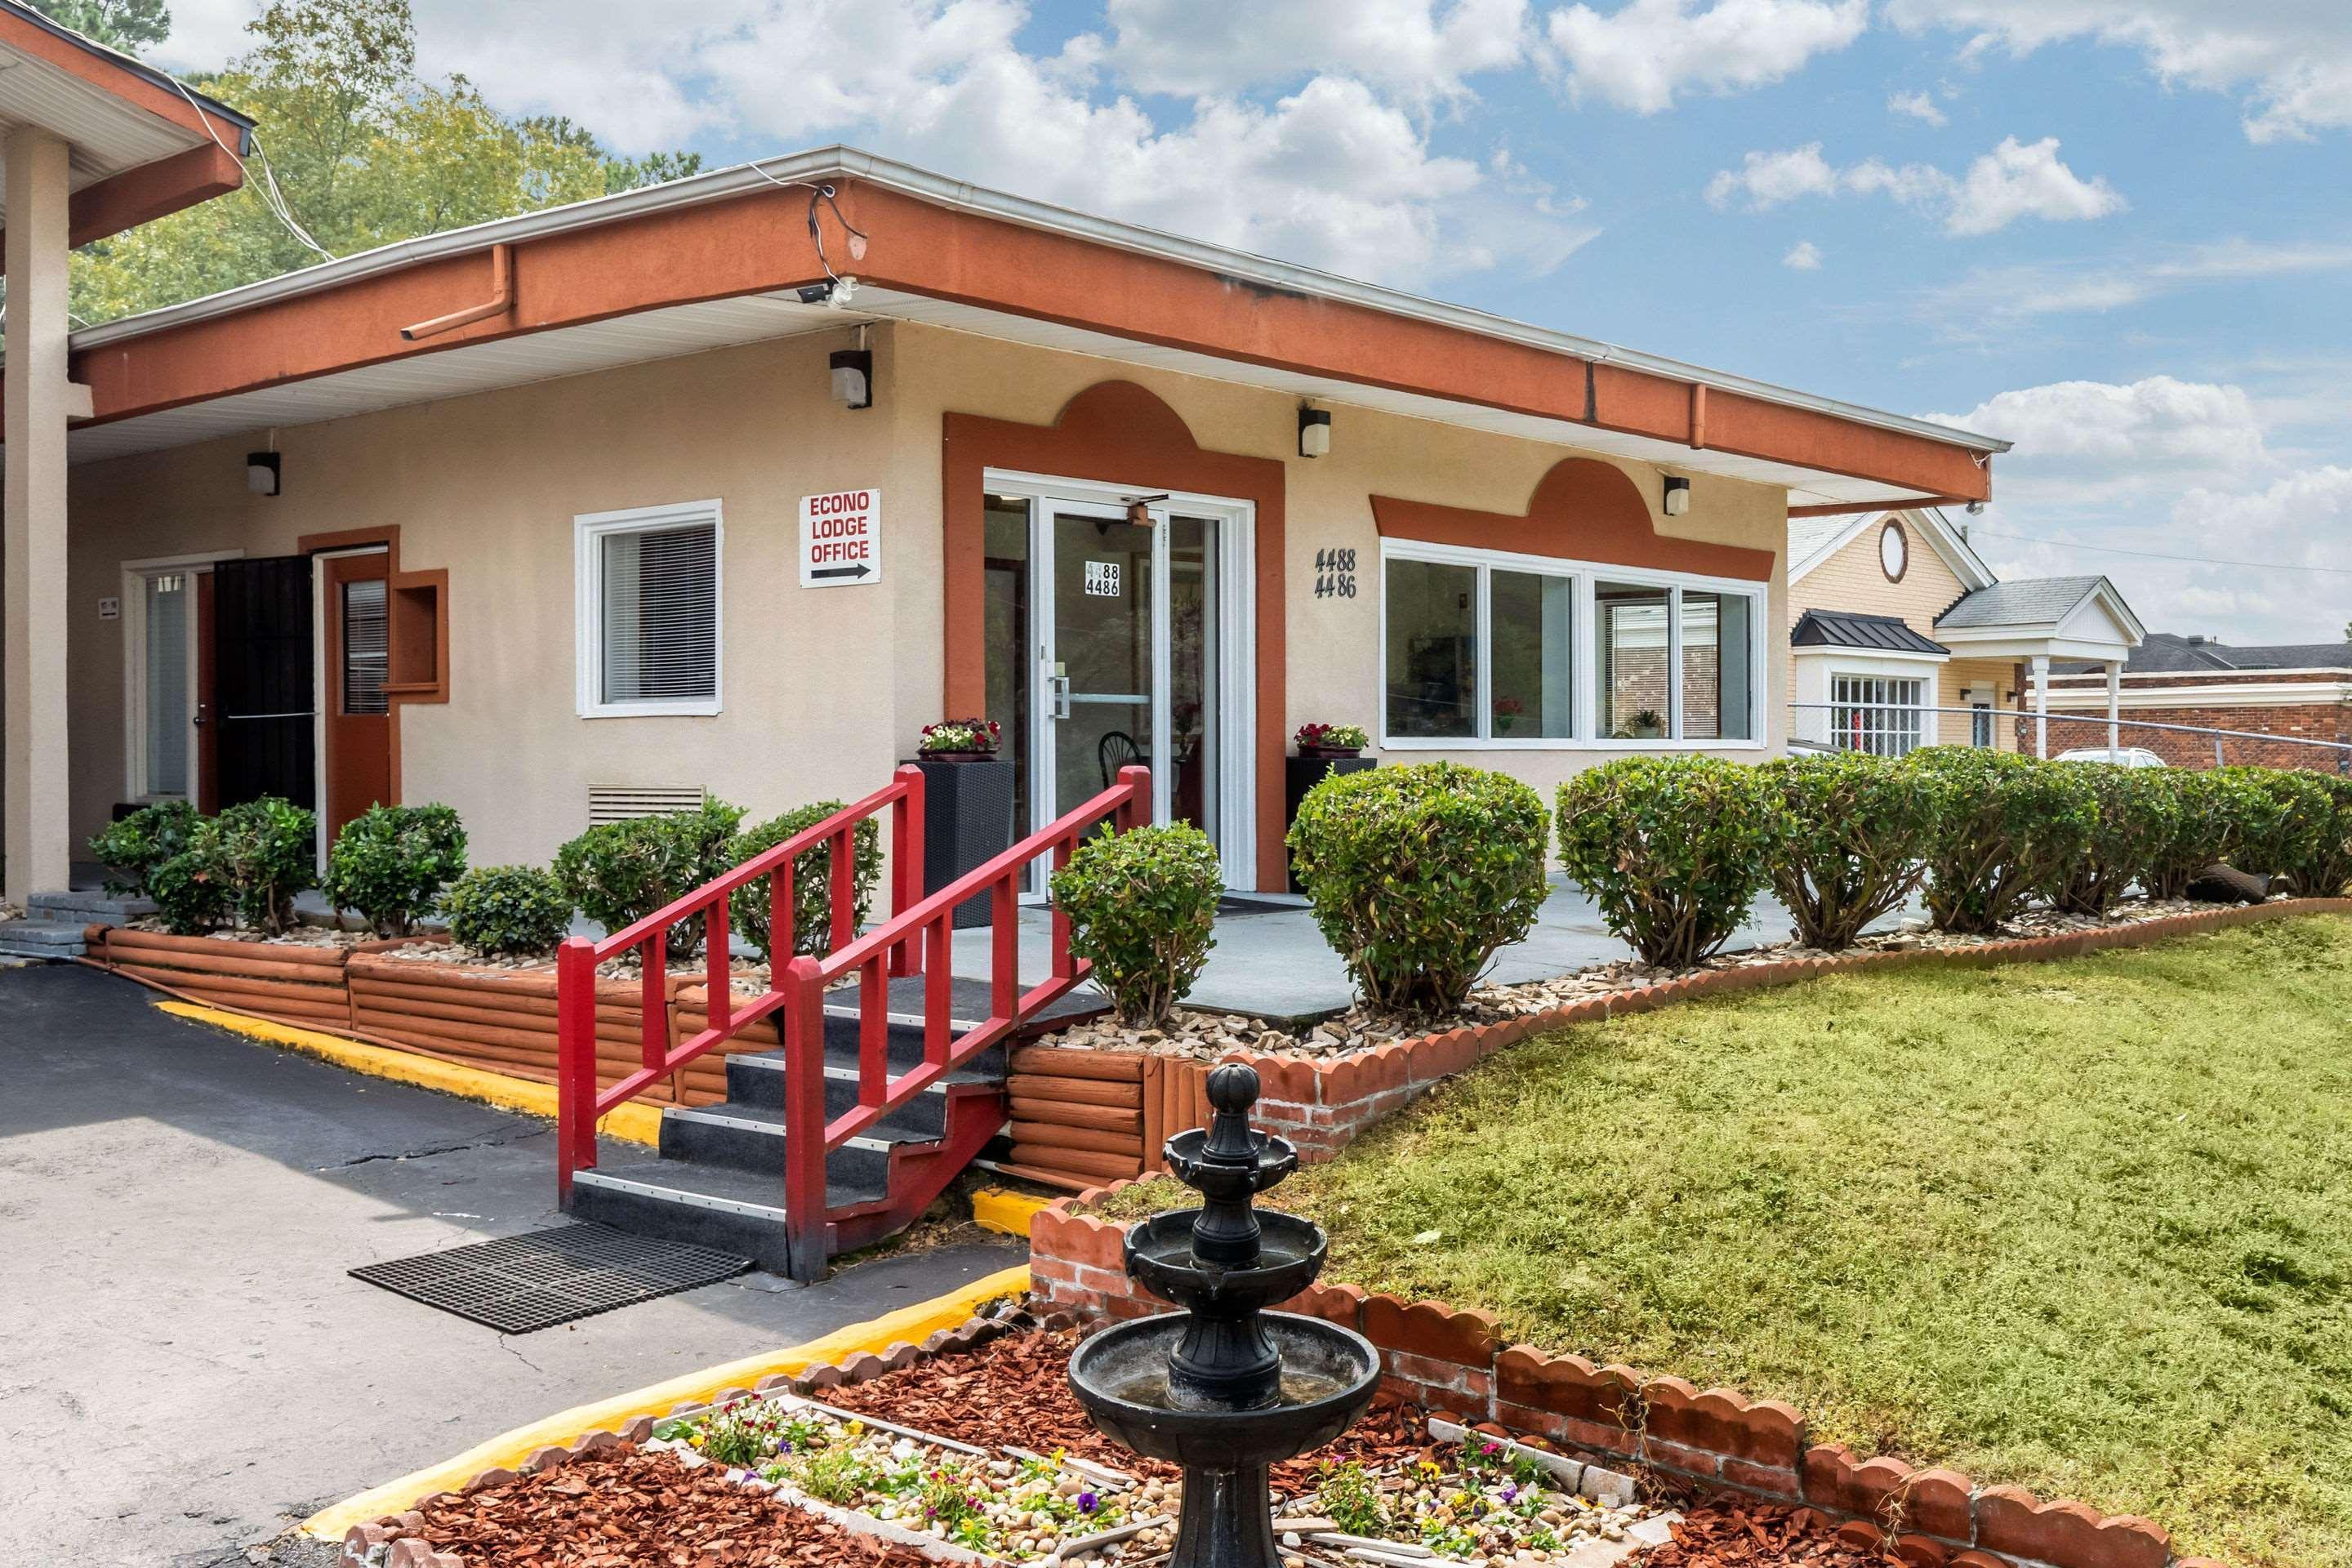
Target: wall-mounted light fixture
x,y
1678,497
1314,432
261,473
852,377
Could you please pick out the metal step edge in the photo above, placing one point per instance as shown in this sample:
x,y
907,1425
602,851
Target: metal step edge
x,y
770,1129
764,1062
912,1020
678,1195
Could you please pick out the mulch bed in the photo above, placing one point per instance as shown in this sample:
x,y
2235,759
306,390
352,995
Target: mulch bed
x,y
628,1509
1761,1536
1018,1388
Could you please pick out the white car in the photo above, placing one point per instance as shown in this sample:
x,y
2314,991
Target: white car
x,y
2122,756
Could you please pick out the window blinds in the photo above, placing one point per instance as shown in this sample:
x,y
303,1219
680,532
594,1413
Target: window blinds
x,y
660,614
367,646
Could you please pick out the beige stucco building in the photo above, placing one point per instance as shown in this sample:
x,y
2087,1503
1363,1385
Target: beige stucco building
x,y
1900,636
588,511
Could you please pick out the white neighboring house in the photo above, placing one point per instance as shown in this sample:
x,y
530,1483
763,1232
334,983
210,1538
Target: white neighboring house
x,y
1893,614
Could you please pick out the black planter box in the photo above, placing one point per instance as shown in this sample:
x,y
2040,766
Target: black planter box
x,y
1300,775
967,822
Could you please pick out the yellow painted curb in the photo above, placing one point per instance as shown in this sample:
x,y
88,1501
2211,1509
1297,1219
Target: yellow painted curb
x,y
632,1124
1003,1210
508,1449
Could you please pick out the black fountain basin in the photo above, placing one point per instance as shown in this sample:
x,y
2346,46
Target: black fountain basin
x,y
1160,1258
1329,1375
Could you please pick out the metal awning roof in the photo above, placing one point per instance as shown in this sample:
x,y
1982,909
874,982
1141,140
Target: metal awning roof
x,y
1872,633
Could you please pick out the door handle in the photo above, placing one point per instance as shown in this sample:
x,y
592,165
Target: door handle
x,y
1057,691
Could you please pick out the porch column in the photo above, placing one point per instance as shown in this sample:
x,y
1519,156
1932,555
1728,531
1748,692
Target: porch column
x,y
2041,704
33,566
2114,707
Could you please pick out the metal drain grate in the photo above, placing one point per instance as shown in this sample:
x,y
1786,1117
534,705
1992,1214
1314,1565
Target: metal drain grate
x,y
543,1278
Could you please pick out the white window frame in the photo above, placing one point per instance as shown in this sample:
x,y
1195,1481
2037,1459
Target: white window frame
x,y
1876,713
1585,700
589,531
134,668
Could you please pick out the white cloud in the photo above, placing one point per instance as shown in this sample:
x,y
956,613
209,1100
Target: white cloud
x,y
1334,173
2011,182
2289,61
2008,295
1803,257
1422,49
1640,56
2154,429
1917,105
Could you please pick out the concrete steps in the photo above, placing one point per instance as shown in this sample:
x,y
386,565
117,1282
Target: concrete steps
x,y
89,908
41,939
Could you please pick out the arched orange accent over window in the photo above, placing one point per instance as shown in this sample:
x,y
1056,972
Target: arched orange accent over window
x,y
1584,509
1116,433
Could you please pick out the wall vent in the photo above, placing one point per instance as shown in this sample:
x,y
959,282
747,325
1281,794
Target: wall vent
x,y
620,803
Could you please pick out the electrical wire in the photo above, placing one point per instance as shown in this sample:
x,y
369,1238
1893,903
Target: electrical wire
x,y
818,192
272,198
2158,556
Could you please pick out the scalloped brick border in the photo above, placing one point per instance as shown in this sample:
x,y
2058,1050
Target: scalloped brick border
x,y
392,1542
1321,1103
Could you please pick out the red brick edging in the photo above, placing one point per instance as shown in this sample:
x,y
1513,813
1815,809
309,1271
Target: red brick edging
x,y
1320,1104
1453,1360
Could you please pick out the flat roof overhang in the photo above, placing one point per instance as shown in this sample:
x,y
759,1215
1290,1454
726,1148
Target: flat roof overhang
x,y
142,146
720,258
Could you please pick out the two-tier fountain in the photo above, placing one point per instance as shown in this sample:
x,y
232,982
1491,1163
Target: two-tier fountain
x,y
1227,1388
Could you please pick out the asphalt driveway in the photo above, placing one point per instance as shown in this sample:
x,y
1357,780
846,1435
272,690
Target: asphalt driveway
x,y
186,1368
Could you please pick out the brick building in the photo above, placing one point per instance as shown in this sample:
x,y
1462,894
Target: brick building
x,y
2297,691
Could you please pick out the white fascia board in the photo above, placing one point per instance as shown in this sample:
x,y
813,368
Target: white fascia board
x,y
1872,660
2252,694
1922,521
844,163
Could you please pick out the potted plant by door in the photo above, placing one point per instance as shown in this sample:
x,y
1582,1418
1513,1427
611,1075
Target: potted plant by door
x,y
1330,740
960,741
968,794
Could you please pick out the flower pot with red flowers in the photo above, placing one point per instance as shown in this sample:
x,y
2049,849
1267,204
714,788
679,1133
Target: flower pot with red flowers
x,y
960,741
1330,740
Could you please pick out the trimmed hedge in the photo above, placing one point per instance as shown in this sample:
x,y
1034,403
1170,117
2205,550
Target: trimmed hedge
x,y
812,880
132,849
2006,828
1418,874
1674,849
1849,841
1142,906
390,863
508,911
2130,829
617,873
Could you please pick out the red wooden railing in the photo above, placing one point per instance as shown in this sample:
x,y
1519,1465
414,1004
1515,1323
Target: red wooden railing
x,y
915,940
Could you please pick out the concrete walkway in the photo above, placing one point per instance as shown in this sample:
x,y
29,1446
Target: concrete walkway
x,y
184,1366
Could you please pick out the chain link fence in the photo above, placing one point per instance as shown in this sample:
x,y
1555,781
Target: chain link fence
x,y
1896,729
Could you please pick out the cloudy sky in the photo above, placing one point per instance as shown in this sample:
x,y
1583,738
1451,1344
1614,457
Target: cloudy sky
x,y
2118,232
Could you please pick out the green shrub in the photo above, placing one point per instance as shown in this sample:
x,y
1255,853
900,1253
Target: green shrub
x,y
192,891
1418,874
1850,835
2273,826
2309,828
132,849
2131,830
2005,826
2329,870
1673,849
617,873
509,911
390,862
267,849
1140,906
812,880
2190,809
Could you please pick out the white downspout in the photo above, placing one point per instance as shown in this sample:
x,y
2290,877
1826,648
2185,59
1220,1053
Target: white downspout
x,y
2041,705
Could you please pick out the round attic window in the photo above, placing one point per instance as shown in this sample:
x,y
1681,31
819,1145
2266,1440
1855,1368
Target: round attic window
x,y
1893,550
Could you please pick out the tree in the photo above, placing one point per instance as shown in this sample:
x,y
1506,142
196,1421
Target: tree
x,y
122,25
357,150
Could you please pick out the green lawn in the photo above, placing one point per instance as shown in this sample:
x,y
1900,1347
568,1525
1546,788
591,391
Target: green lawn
x,y
2081,1227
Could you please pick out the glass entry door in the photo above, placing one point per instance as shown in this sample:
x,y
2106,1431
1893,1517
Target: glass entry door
x,y
1109,644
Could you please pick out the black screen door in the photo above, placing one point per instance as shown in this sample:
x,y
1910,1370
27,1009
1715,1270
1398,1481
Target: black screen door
x,y
266,741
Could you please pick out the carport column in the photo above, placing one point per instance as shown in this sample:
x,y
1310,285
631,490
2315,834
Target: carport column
x,y
2114,706
34,563
2041,704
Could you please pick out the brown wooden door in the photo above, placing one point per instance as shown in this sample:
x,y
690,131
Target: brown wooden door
x,y
358,727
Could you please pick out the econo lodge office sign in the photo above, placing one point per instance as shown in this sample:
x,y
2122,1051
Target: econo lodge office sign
x,y
841,538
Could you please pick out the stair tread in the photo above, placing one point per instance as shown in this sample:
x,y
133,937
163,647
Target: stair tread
x,y
769,1118
756,1189
841,1061
31,929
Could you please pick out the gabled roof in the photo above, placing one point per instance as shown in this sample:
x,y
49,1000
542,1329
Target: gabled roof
x,y
2026,602
1876,633
2170,653
1814,539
